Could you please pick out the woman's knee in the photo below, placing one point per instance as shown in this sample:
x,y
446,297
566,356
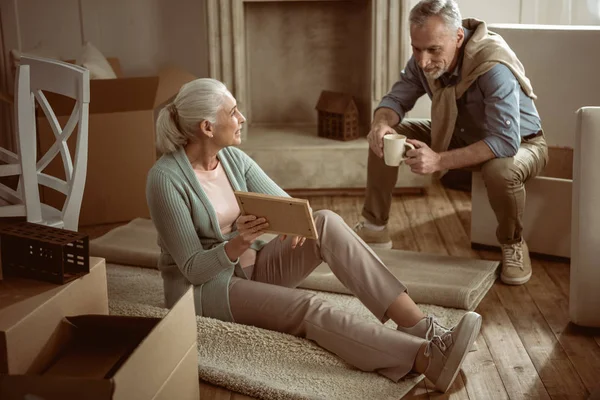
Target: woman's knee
x,y
310,305
325,219
326,216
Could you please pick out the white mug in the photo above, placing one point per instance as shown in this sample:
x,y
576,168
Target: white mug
x,y
395,148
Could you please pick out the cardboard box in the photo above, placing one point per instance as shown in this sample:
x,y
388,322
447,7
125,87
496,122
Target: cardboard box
x,y
121,145
31,311
117,357
547,214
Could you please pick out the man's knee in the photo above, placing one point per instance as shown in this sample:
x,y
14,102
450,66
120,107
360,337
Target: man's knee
x,y
413,128
501,172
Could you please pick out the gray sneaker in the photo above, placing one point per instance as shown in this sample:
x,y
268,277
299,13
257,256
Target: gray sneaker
x,y
423,329
447,352
375,239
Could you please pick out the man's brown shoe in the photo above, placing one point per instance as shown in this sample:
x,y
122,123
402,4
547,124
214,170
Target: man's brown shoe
x,y
516,264
375,239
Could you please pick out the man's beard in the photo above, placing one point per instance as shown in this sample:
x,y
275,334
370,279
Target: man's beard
x,y
435,73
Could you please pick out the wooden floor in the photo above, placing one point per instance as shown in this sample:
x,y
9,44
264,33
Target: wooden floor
x,y
527,348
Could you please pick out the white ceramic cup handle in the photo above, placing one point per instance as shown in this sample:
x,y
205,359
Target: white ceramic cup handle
x,y
410,146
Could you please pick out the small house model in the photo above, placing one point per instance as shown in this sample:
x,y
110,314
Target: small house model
x,y
338,116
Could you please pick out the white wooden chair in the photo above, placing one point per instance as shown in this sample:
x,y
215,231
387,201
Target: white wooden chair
x,y
35,75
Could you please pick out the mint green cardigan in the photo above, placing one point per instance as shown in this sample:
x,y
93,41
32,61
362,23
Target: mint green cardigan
x,y
192,245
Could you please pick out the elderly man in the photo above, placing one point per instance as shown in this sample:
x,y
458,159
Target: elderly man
x,y
482,116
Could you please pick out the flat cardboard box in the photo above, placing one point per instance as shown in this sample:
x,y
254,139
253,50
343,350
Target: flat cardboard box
x,y
31,311
547,214
117,357
121,144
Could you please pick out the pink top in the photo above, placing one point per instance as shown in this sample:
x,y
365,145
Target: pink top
x,y
217,187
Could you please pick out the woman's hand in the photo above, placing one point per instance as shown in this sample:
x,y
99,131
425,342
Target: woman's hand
x,y
296,240
250,228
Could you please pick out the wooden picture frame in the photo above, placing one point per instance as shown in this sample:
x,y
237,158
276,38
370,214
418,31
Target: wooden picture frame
x,y
285,215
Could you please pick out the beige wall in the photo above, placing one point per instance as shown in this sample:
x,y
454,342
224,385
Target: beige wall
x,y
144,34
147,34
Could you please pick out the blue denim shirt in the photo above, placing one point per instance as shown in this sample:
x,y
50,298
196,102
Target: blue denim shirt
x,y
494,109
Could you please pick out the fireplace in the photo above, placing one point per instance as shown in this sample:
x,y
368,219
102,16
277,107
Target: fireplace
x,y
277,56
294,50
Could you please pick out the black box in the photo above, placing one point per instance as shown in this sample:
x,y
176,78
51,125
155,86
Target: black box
x,y
43,252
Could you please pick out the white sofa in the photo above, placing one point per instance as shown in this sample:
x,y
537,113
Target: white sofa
x,y
584,301
562,63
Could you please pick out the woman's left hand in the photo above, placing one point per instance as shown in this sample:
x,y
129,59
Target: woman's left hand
x,y
296,240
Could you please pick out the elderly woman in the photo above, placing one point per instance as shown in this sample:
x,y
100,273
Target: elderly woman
x,y
207,244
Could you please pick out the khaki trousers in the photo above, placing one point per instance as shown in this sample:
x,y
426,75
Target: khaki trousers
x,y
268,299
504,179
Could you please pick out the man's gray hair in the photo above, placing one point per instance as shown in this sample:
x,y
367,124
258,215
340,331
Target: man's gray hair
x,y
446,9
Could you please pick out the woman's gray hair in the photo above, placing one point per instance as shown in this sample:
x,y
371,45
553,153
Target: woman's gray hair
x,y
445,9
179,121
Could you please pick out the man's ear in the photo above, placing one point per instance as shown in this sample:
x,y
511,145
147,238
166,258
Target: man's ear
x,y
460,37
206,128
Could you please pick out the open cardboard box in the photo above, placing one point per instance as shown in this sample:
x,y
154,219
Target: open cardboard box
x,y
31,311
121,145
547,215
117,357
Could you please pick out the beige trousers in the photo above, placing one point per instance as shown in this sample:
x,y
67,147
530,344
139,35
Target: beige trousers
x,y
504,179
268,299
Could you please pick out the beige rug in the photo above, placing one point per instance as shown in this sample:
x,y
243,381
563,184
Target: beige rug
x,y
261,363
431,279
